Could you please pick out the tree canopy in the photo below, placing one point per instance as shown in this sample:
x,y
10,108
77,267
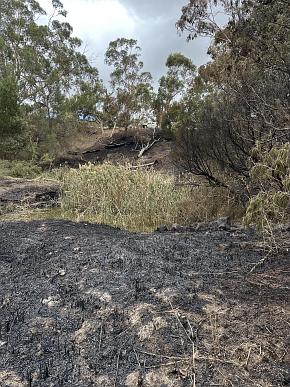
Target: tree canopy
x,y
249,85
131,88
45,61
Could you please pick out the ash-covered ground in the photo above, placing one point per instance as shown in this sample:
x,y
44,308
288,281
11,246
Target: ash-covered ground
x,y
88,305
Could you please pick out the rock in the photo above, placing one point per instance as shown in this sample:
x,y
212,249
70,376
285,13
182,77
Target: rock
x,y
177,228
162,228
51,301
221,224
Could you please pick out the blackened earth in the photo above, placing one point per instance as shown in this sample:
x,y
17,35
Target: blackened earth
x,y
88,305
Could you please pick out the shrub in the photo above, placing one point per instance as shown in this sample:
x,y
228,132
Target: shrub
x,y
14,134
18,168
271,177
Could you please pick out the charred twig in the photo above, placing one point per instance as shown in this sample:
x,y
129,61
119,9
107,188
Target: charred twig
x,y
100,337
248,358
143,165
117,369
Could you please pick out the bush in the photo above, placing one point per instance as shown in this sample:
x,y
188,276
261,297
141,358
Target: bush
x,y
271,177
23,169
14,134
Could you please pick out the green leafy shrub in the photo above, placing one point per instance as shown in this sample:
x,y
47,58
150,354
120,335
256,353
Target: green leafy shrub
x,y
14,134
18,168
25,169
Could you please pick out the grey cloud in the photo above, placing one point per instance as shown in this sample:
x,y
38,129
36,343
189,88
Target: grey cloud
x,y
152,8
157,34
153,26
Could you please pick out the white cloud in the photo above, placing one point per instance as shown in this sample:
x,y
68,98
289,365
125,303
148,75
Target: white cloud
x,y
151,22
97,22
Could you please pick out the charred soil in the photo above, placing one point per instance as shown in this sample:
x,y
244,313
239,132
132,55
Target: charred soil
x,y
88,305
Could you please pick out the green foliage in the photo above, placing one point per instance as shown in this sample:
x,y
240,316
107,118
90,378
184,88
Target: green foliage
x,y
22,169
25,169
173,88
10,116
271,175
132,91
198,17
49,73
14,135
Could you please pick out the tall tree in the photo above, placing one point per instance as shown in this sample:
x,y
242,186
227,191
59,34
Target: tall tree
x,y
45,59
250,86
131,87
201,17
173,87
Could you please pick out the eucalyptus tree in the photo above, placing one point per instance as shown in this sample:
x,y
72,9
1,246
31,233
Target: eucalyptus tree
x,y
202,17
44,57
50,73
131,87
173,87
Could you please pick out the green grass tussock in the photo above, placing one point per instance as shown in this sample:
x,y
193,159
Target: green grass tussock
x,y
117,196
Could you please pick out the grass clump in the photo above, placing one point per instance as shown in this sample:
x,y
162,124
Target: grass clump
x,y
118,196
136,200
207,204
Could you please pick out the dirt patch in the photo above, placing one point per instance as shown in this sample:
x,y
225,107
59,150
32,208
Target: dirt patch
x,y
123,148
87,305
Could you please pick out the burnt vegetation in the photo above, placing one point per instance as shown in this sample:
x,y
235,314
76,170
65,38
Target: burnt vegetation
x,y
91,305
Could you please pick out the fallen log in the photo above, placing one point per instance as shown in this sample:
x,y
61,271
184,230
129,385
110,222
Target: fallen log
x,y
117,145
147,147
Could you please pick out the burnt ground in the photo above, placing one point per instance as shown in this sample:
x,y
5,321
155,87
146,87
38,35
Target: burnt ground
x,y
16,193
122,148
88,305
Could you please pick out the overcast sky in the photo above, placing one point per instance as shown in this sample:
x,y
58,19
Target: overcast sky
x,y
151,22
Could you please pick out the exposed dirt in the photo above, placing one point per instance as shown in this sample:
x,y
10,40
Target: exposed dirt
x,y
122,148
88,305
